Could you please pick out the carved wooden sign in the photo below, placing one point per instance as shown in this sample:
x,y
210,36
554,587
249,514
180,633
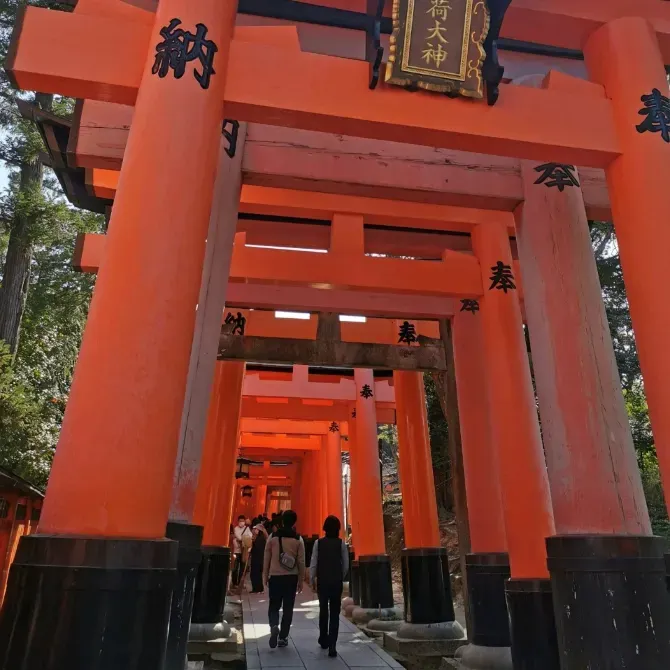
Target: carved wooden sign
x,y
438,45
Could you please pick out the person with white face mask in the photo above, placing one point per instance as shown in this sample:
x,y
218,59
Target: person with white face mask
x,y
241,536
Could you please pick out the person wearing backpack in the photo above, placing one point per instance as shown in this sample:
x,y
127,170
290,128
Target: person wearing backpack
x,y
284,573
328,568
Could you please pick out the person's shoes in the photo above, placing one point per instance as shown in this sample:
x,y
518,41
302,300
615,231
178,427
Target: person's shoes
x,y
283,642
323,643
332,652
274,634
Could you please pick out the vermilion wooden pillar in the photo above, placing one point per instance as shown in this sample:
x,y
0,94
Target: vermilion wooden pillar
x,y
618,574
312,505
297,494
333,453
640,202
520,461
214,494
488,563
261,499
374,564
425,564
415,462
121,426
353,486
323,481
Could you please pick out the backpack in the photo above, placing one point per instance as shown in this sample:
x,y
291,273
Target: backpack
x,y
287,561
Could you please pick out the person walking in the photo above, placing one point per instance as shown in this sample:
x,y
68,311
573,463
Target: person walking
x,y
328,568
241,541
257,557
283,572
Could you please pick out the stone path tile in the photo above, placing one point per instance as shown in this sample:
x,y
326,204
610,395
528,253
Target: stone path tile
x,y
303,653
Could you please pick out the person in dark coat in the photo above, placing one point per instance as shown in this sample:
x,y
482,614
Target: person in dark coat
x,y
328,568
256,560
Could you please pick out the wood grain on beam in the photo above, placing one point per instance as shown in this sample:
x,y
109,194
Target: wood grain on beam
x,y
289,158
427,357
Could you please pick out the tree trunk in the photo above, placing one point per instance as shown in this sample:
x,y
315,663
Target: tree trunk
x,y
16,272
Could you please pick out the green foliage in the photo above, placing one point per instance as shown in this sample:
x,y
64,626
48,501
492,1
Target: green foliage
x,y
439,445
625,350
26,434
34,387
653,489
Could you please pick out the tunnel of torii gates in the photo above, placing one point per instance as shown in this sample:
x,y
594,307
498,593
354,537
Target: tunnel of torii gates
x,y
429,240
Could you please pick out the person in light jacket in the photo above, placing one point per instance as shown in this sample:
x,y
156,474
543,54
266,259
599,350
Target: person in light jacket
x,y
284,573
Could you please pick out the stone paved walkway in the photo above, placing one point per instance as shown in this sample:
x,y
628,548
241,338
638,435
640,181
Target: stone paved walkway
x,y
303,653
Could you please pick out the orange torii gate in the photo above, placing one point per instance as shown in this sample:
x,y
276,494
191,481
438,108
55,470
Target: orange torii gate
x,y
313,446
132,361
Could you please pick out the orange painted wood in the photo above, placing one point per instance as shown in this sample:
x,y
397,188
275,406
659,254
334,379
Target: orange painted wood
x,y
294,409
354,487
640,205
323,482
591,460
205,340
216,485
287,202
121,425
370,304
310,495
329,95
382,331
333,458
376,211
457,275
89,252
290,158
117,9
211,446
261,498
257,425
280,442
315,392
520,459
98,141
417,483
482,482
365,460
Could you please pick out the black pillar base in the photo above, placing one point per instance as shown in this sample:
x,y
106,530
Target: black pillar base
x,y
188,561
355,583
427,586
486,577
376,583
611,602
352,557
83,603
211,585
532,625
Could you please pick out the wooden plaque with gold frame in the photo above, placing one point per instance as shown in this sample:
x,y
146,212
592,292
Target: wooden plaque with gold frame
x,y
438,45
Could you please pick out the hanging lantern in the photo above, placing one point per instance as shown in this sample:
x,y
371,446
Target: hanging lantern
x,y
246,491
242,468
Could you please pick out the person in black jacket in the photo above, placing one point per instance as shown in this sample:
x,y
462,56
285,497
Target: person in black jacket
x,y
328,568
